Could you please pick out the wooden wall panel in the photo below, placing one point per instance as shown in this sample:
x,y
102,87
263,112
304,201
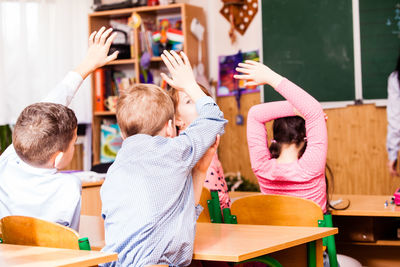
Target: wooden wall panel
x,y
356,146
233,152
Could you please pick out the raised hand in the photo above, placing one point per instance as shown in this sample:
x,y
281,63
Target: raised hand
x,y
256,73
97,54
182,77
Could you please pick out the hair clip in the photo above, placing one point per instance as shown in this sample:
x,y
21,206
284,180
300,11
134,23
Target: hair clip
x,y
273,141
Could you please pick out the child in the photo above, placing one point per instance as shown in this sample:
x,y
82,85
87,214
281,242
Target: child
x,y
148,200
295,162
43,142
185,114
393,117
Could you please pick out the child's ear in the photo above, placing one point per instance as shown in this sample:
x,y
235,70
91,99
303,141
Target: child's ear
x,y
171,129
58,159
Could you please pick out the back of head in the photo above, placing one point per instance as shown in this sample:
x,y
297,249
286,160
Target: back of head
x,y
288,130
144,109
42,129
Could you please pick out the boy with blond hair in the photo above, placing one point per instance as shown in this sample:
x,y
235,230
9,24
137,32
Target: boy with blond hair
x,y
43,142
148,198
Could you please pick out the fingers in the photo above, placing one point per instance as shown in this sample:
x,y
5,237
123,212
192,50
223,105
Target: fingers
x,y
167,63
170,58
216,144
168,80
247,66
91,38
185,58
110,40
177,57
243,70
242,77
98,35
252,62
112,57
250,84
105,35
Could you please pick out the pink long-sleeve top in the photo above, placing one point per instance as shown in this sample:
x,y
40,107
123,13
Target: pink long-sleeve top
x,y
305,177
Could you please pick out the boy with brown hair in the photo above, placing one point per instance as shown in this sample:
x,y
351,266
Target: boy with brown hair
x,y
148,197
43,142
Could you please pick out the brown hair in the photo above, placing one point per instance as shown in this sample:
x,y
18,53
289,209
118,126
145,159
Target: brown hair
x,y
144,109
42,129
288,130
174,94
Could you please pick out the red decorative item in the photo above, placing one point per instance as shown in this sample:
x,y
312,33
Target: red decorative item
x,y
152,2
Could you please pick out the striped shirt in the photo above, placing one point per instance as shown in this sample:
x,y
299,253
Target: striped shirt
x,y
147,197
393,117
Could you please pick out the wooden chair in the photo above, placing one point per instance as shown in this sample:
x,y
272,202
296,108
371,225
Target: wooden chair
x,y
205,214
284,211
22,230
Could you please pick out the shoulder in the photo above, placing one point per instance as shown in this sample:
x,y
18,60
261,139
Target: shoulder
x,y
69,184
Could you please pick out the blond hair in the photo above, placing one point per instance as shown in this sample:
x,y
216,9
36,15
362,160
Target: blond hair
x,y
42,129
144,109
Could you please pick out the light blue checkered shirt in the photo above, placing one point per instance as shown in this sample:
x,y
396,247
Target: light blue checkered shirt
x,y
147,197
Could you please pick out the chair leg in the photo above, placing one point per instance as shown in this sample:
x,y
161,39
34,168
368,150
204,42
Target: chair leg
x,y
311,254
214,208
266,260
330,242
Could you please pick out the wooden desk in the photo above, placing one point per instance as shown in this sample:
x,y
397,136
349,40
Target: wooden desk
x,y
239,242
367,205
91,202
16,255
368,229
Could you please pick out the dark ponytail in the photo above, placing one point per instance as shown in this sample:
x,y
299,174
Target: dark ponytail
x,y
288,130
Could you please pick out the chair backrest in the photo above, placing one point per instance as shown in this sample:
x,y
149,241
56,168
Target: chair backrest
x,y
205,215
22,230
276,210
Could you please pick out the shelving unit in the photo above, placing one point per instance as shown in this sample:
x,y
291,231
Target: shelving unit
x,y
190,47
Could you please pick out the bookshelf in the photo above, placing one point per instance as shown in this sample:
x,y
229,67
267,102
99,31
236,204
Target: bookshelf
x,y
148,14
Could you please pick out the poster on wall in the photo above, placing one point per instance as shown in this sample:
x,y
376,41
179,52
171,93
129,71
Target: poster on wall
x,y
227,85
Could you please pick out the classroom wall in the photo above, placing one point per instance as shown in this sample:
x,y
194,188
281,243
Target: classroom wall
x,y
356,134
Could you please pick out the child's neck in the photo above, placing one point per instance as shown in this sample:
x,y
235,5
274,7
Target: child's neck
x,y
289,153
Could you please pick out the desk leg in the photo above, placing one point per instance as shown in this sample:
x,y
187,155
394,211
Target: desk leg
x,y
319,251
315,254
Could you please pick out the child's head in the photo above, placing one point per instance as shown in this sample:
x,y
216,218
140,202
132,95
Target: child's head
x,y
45,134
185,108
145,109
288,130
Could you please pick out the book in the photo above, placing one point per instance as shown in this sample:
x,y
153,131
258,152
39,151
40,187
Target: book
x,y
110,142
99,89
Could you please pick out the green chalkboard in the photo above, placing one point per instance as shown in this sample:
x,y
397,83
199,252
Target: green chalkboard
x,y
311,43
380,39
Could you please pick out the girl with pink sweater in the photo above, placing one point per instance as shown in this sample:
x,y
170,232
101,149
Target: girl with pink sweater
x,y
294,163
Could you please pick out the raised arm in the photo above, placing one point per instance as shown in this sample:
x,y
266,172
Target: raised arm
x,y
96,57
314,158
199,172
257,136
393,117
202,132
